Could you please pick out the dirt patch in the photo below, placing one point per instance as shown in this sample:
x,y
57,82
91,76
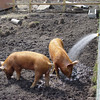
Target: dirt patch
x,y
44,27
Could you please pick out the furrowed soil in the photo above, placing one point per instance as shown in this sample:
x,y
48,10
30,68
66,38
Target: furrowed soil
x,y
34,34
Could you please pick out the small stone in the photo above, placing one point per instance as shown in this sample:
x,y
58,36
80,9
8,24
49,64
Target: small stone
x,y
11,28
25,17
91,98
33,24
62,21
56,22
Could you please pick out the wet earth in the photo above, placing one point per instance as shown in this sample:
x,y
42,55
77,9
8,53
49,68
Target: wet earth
x,y
34,34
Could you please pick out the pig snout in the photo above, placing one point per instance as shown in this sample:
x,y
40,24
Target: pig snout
x,y
8,76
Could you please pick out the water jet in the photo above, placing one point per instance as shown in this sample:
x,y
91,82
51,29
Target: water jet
x,y
80,45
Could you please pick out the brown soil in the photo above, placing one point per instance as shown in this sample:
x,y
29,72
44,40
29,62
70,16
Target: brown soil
x,y
34,34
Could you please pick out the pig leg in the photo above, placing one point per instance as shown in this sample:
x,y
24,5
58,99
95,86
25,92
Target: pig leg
x,y
52,70
47,78
37,77
57,71
18,73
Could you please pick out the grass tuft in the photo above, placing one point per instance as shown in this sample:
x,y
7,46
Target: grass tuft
x,y
94,78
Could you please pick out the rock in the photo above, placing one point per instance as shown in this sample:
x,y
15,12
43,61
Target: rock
x,y
91,98
34,7
11,28
16,21
51,7
7,33
25,17
43,7
62,21
33,24
23,7
56,22
2,33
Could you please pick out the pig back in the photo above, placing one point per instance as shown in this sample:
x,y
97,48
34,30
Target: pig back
x,y
28,60
57,52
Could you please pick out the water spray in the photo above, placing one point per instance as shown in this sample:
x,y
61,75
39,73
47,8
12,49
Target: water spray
x,y
80,45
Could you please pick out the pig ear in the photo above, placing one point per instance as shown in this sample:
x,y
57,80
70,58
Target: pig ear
x,y
75,62
69,65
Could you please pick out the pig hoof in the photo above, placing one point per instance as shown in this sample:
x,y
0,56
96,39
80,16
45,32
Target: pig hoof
x,y
31,86
47,86
12,76
18,79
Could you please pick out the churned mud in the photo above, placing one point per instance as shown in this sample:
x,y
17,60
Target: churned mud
x,y
34,34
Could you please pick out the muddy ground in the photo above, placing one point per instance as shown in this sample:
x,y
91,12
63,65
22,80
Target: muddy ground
x,y
34,34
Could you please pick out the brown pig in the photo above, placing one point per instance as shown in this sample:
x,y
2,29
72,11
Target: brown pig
x,y
60,58
27,60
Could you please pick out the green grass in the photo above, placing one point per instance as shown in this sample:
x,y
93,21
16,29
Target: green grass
x,y
94,78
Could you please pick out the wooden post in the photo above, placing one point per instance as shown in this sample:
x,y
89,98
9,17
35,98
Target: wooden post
x,y
30,6
13,5
64,5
